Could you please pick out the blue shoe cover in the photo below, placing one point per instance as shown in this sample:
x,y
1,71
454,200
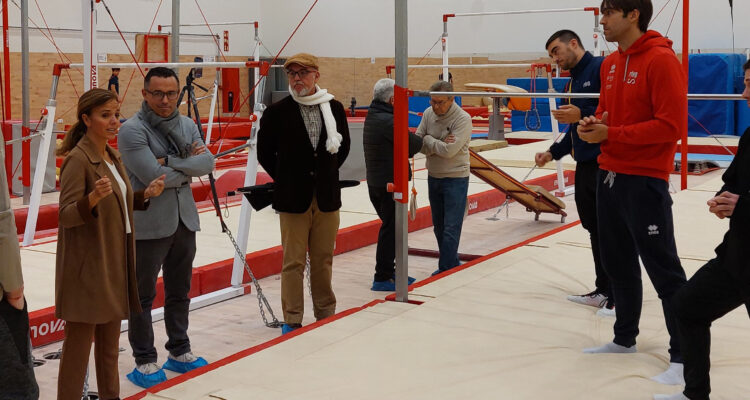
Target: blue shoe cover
x,y
286,328
182,367
146,381
389,285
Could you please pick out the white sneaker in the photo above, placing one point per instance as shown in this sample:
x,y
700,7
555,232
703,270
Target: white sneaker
x,y
185,358
606,312
148,368
593,299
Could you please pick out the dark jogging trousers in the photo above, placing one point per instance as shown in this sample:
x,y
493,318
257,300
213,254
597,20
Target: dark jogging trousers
x,y
635,220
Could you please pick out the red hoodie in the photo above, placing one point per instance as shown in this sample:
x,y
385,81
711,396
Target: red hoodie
x,y
644,91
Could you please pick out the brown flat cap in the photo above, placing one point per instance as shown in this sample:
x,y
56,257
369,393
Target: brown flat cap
x,y
303,59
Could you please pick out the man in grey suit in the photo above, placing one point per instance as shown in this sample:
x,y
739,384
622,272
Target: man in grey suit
x,y
156,141
17,379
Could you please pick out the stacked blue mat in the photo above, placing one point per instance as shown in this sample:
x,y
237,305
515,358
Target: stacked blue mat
x,y
717,73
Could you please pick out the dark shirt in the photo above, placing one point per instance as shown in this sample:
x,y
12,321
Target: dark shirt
x,y
734,251
378,144
114,81
584,78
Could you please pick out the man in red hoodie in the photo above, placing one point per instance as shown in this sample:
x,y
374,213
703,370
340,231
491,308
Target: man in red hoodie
x,y
642,113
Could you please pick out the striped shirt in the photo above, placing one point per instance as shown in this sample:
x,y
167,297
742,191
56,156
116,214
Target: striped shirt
x,y
313,122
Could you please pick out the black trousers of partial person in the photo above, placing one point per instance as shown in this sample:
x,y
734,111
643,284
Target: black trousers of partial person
x,y
635,220
17,379
174,256
709,294
385,253
585,196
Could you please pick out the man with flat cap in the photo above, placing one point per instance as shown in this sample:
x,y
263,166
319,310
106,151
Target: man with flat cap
x,y
302,142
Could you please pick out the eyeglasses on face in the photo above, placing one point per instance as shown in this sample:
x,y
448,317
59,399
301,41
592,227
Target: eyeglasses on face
x,y
171,95
439,103
301,73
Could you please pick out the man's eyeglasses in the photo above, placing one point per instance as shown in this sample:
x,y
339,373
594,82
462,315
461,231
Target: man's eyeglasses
x,y
171,95
301,73
439,103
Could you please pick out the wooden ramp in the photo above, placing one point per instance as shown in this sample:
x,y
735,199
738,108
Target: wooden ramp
x,y
536,199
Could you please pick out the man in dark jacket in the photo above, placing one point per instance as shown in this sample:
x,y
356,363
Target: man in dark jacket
x,y
566,50
302,142
378,146
723,284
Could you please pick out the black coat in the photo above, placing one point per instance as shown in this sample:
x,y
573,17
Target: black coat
x,y
734,252
298,170
377,140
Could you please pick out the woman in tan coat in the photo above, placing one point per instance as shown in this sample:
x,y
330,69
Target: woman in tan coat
x,y
95,285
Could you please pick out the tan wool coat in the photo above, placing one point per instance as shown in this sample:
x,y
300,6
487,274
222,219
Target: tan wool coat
x,y
95,276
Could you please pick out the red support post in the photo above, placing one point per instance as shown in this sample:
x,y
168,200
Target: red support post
x,y
6,90
26,158
400,145
6,60
686,67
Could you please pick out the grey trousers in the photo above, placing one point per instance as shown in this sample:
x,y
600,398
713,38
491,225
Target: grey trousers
x,y
174,256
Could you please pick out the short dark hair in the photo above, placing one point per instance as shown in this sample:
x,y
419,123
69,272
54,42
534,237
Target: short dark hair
x,y
160,72
746,66
450,76
115,69
565,36
645,8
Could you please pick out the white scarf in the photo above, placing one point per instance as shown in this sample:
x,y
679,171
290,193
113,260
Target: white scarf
x,y
322,98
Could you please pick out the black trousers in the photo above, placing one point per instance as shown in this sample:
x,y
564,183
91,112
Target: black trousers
x,y
174,256
585,196
635,220
710,294
385,254
17,379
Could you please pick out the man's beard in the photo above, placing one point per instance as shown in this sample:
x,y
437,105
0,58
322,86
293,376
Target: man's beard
x,y
302,92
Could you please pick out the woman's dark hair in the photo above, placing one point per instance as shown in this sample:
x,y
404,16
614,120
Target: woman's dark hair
x,y
86,104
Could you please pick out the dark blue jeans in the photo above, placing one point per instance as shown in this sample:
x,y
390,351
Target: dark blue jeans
x,y
448,203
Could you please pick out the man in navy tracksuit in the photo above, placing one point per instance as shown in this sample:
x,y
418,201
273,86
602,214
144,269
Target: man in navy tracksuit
x,y
566,50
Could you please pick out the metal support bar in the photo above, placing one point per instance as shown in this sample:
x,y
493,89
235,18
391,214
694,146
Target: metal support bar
x,y
175,56
552,10
217,64
693,96
25,93
400,150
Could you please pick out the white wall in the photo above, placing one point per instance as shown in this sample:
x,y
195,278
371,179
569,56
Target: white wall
x,y
346,28
136,16
365,28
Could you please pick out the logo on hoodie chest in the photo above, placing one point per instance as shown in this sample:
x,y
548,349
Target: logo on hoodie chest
x,y
631,78
610,76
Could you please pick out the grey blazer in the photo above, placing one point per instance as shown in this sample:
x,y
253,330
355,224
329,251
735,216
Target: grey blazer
x,y
10,267
140,146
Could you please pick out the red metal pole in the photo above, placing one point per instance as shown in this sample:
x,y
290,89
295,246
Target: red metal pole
x,y
400,145
686,67
6,82
6,60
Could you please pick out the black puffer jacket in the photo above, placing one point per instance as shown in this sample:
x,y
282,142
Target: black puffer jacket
x,y
378,144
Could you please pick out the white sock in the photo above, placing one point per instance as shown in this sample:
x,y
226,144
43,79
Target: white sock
x,y
672,376
676,396
610,347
